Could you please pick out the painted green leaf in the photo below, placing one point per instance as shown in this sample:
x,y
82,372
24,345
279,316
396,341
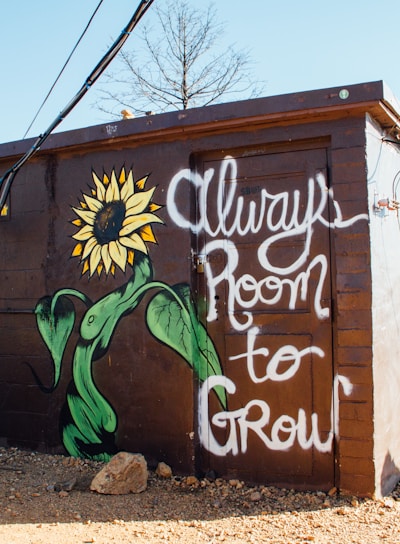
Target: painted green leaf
x,y
172,319
55,326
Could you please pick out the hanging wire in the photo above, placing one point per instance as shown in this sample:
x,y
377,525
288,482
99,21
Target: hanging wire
x,y
63,68
7,179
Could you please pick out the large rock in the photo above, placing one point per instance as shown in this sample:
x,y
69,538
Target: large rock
x,y
125,473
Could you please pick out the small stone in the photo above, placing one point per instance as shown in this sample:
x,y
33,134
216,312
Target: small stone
x,y
191,480
211,475
255,496
65,486
388,503
163,470
332,491
341,512
125,473
63,494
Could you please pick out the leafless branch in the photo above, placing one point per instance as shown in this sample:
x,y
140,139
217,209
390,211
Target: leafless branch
x,y
179,65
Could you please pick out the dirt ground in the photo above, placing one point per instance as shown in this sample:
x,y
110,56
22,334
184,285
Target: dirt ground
x,y
46,499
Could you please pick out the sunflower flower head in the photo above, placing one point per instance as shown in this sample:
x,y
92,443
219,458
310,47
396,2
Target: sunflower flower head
x,y
115,221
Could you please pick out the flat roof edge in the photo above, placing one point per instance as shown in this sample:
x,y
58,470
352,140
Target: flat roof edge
x,y
375,97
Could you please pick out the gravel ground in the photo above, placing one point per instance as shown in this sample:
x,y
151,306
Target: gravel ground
x,y
46,499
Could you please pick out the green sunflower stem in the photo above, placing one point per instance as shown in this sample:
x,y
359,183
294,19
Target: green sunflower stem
x,y
90,425
89,421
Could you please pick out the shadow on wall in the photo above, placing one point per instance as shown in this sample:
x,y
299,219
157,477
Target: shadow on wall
x,y
390,475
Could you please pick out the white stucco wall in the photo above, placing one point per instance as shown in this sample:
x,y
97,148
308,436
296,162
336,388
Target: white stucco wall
x,y
383,163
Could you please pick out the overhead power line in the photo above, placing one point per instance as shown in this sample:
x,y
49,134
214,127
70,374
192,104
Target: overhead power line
x,y
7,179
65,65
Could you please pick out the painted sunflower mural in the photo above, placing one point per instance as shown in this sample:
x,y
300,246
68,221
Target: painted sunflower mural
x,y
115,223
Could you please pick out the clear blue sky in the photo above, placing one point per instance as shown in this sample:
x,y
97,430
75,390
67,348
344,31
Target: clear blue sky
x,y
296,46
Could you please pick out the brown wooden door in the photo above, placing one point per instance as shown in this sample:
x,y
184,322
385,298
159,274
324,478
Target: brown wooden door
x,y
263,243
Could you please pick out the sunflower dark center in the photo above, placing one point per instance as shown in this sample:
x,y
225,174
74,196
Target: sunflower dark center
x,y
108,222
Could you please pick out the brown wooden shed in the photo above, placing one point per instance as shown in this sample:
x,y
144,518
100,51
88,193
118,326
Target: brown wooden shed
x,y
215,288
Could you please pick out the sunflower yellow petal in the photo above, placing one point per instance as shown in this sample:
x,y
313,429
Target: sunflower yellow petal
x,y
134,241
141,182
85,233
85,267
112,192
153,207
147,234
86,215
77,251
90,244
135,222
95,257
138,202
93,204
101,190
131,257
118,254
105,255
122,176
128,188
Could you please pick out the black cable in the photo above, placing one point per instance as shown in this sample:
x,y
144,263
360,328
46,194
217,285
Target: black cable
x,y
395,185
63,68
7,179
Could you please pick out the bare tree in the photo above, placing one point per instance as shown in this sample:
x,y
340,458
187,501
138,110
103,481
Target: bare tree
x,y
179,66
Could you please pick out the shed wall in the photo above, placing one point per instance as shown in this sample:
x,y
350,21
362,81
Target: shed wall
x,y
352,329
69,321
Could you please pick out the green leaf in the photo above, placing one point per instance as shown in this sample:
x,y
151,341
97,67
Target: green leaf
x,y
172,319
55,323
